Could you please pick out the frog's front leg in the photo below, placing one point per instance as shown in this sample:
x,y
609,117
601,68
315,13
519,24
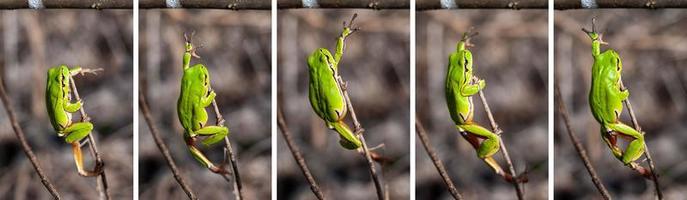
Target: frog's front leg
x,y
635,149
75,133
206,101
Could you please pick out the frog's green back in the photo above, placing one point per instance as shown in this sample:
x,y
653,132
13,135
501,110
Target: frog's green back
x,y
602,95
193,87
326,98
55,91
455,79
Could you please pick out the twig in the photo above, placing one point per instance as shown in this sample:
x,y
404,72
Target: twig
x,y
24,144
518,188
102,179
209,4
578,146
163,147
232,159
359,132
363,4
654,173
297,154
80,4
435,159
648,4
480,4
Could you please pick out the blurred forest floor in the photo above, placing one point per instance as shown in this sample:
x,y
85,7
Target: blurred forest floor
x,y
376,65
653,49
510,54
236,50
32,42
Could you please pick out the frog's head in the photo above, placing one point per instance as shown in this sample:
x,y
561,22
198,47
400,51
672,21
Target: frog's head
x,y
61,75
319,57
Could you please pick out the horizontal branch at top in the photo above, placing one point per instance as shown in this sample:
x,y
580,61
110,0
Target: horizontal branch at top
x,y
209,4
481,4
362,4
74,4
651,4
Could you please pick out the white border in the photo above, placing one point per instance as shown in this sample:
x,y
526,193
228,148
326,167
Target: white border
x,y
412,98
551,102
273,120
135,108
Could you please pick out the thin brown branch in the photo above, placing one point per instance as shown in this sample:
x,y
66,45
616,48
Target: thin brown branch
x,y
518,187
238,194
24,144
652,166
102,187
435,159
163,147
297,154
481,4
209,4
77,4
359,132
362,4
578,145
647,4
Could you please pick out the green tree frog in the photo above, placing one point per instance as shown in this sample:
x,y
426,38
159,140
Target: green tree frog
x,y
461,85
606,102
196,94
325,91
60,108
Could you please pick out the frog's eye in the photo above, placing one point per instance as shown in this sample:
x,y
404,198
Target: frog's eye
x,y
617,64
466,62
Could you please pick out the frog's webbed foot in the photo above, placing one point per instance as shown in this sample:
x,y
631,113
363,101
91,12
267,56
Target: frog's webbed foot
x,y
85,71
350,25
469,35
646,173
188,38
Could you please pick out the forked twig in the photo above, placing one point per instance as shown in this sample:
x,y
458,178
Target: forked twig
x,y
359,132
24,144
518,188
435,159
163,147
578,146
103,189
229,156
652,167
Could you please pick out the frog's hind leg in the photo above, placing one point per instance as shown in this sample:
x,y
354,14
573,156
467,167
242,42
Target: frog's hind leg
x,y
216,134
635,149
491,143
611,139
75,133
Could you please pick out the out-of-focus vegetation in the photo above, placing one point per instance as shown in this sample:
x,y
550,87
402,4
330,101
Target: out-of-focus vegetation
x,y
236,51
653,49
510,54
376,65
32,42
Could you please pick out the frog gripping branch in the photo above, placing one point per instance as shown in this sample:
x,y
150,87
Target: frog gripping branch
x,y
196,94
58,96
326,93
460,86
606,98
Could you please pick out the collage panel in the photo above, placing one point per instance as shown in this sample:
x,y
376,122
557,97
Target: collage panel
x,y
187,58
500,55
375,67
57,65
623,55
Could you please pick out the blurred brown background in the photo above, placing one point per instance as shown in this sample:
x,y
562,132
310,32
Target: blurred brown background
x,y
376,65
653,49
32,42
510,54
236,51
